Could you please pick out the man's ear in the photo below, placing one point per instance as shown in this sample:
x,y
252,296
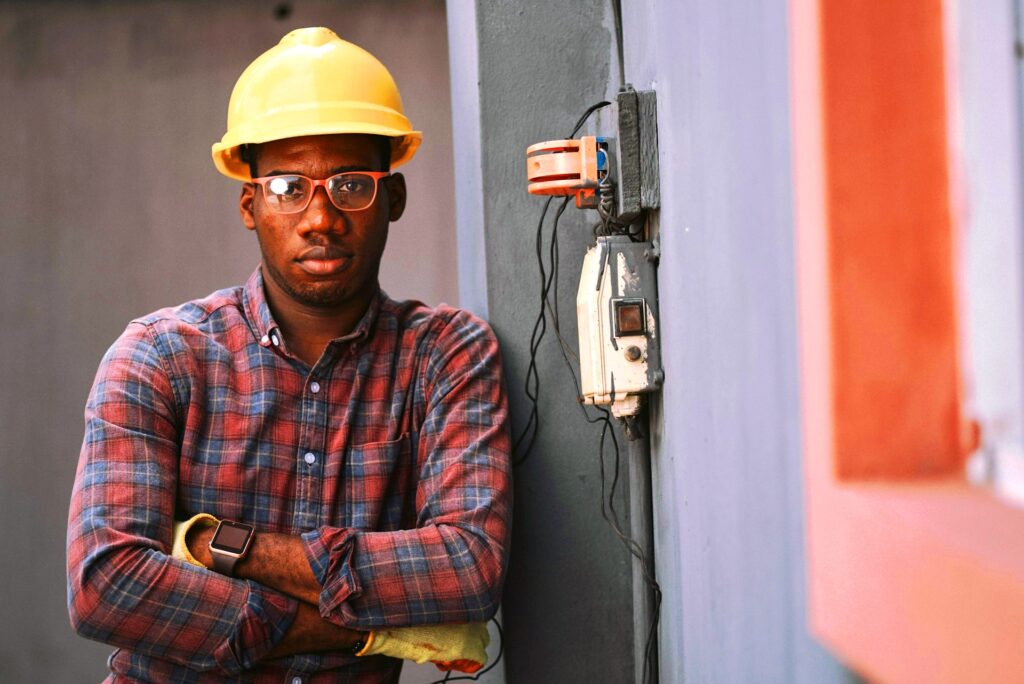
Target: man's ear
x,y
396,196
245,207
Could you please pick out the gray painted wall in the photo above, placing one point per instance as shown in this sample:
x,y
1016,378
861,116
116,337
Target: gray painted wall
x,y
727,453
110,207
568,605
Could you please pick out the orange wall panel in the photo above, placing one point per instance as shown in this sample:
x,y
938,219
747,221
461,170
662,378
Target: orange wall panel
x,y
911,577
890,239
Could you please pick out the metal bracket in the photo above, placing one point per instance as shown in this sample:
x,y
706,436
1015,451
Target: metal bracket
x,y
637,157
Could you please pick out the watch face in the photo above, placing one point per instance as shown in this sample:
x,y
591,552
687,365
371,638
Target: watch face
x,y
231,537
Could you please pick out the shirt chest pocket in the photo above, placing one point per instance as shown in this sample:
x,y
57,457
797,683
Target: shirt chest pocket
x,y
378,483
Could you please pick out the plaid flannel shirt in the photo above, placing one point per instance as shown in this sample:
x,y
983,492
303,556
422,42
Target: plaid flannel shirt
x,y
389,457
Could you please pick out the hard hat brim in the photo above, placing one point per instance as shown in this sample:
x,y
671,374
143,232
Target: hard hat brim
x,y
228,160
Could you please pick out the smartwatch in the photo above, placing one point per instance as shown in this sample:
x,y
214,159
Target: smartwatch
x,y
229,545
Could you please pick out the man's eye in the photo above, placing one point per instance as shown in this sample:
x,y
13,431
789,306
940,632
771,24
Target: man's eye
x,y
286,188
352,186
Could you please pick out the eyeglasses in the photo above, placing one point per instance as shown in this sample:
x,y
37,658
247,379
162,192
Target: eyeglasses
x,y
292,193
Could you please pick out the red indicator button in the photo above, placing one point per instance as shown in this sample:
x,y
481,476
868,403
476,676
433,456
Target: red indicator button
x,y
629,317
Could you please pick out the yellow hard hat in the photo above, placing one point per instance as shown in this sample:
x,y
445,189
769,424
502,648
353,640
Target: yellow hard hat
x,y
313,83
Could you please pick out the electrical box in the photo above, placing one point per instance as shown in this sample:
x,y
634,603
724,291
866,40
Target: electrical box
x,y
617,300
617,311
636,153
630,158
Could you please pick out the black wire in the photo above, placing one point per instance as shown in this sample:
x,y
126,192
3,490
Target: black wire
x,y
531,384
586,115
611,517
549,303
551,292
608,511
553,260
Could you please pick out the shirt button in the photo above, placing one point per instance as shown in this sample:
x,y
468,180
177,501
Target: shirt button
x,y
314,387
265,340
296,680
310,457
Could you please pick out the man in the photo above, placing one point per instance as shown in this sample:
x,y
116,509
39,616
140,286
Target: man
x,y
353,449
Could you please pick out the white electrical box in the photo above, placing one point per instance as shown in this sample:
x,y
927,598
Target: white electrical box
x,y
616,305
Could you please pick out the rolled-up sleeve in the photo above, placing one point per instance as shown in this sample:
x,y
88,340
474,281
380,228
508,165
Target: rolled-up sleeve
x,y
450,567
123,587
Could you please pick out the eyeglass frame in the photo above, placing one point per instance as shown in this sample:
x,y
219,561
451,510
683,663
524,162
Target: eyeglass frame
x,y
321,183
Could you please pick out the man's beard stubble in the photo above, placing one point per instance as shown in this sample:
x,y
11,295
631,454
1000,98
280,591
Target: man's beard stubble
x,y
319,295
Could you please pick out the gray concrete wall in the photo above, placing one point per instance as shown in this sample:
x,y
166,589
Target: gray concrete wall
x,y
727,453
110,207
567,605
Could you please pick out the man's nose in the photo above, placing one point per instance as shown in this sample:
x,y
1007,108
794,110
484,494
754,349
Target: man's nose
x,y
321,215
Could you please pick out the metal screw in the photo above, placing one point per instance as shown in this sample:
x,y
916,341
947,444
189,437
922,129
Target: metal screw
x,y
633,353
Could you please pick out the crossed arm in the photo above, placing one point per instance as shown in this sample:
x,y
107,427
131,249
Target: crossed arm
x,y
278,561
320,591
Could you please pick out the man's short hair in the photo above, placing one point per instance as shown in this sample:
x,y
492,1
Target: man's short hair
x,y
250,153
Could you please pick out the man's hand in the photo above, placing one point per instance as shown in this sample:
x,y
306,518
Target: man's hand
x,y
310,633
278,561
449,647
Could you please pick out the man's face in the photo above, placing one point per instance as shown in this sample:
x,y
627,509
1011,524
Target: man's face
x,y
323,257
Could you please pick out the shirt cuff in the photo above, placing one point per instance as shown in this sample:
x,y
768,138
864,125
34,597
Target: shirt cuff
x,y
265,619
329,551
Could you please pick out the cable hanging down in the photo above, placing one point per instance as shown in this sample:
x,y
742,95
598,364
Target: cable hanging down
x,y
548,312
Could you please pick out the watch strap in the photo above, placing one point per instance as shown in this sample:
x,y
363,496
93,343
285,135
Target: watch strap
x,y
223,563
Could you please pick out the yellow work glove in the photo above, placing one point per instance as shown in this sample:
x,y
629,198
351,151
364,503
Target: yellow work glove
x,y
181,528
449,647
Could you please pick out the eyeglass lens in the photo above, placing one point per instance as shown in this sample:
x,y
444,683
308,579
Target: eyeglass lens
x,y
350,191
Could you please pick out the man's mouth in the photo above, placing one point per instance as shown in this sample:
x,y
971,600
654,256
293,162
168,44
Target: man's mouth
x,y
324,260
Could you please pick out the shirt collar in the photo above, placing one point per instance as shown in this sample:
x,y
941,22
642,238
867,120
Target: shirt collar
x,y
365,325
254,301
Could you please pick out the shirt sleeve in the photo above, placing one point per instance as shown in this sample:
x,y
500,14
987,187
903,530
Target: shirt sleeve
x,y
124,589
450,568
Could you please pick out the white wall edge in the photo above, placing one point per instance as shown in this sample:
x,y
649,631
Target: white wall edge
x,y
464,68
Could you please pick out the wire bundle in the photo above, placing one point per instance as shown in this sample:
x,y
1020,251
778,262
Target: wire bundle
x,y
525,441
